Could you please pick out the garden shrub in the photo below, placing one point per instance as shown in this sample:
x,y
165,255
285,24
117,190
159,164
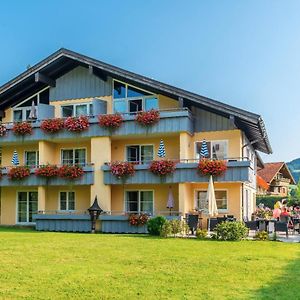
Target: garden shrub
x,y
231,231
268,201
174,227
261,235
201,234
155,225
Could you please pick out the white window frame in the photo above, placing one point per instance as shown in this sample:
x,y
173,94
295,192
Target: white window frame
x,y
140,148
67,201
36,157
73,149
27,211
203,190
127,99
210,141
139,200
24,111
74,105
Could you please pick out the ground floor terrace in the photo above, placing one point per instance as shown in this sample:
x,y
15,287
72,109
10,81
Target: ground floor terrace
x,y
69,203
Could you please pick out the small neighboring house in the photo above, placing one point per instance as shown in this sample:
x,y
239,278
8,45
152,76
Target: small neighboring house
x,y
274,179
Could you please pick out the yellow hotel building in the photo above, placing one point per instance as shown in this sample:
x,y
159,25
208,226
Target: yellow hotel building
x,y
68,84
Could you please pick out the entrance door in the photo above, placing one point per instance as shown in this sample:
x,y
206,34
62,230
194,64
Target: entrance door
x,y
27,204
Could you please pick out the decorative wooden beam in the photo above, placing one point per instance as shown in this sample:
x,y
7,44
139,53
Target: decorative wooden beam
x,y
39,77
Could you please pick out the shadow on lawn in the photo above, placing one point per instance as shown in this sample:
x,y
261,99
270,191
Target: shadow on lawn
x,y
285,286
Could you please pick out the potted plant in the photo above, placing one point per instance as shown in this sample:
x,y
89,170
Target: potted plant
x,y
138,219
77,124
70,172
46,171
122,170
111,122
3,130
18,173
162,167
147,118
208,167
52,125
22,128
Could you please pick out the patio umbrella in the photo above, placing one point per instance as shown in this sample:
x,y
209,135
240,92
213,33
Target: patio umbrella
x,y
15,159
170,203
161,150
204,150
211,199
32,114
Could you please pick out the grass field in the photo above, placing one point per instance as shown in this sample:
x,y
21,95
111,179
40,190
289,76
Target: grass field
x,y
42,265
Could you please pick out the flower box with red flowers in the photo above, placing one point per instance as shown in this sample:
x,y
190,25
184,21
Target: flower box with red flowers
x,y
18,173
70,172
162,167
22,128
138,220
52,125
113,121
212,167
147,118
47,171
77,124
3,130
122,169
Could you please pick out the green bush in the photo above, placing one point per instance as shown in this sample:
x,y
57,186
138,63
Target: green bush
x,y
201,234
268,201
261,235
154,225
174,227
231,231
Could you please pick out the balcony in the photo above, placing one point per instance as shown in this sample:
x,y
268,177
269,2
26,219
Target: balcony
x,y
237,171
171,121
33,180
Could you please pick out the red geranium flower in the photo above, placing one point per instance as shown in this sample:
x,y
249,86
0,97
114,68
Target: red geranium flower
x,y
47,171
122,169
147,118
18,173
52,125
113,121
162,167
22,128
3,130
75,124
212,167
70,172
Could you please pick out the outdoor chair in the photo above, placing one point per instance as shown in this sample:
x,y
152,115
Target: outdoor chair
x,y
212,223
192,221
282,227
221,219
252,225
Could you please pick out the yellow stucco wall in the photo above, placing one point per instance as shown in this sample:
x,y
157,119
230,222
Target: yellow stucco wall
x,y
167,103
234,138
7,153
118,147
160,196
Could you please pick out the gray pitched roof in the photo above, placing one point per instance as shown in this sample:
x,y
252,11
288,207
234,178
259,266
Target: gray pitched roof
x,y
64,60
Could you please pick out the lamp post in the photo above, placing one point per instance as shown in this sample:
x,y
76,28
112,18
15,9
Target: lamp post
x,y
94,211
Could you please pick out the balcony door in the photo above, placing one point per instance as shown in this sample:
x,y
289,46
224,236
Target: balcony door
x,y
27,205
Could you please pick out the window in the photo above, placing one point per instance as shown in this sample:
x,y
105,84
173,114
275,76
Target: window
x,y
139,202
31,158
73,157
131,99
21,114
216,149
139,153
27,205
221,199
76,110
67,200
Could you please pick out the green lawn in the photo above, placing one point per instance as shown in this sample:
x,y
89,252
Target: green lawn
x,y
41,265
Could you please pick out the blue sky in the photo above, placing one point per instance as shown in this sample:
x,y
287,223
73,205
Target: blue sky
x,y
244,53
